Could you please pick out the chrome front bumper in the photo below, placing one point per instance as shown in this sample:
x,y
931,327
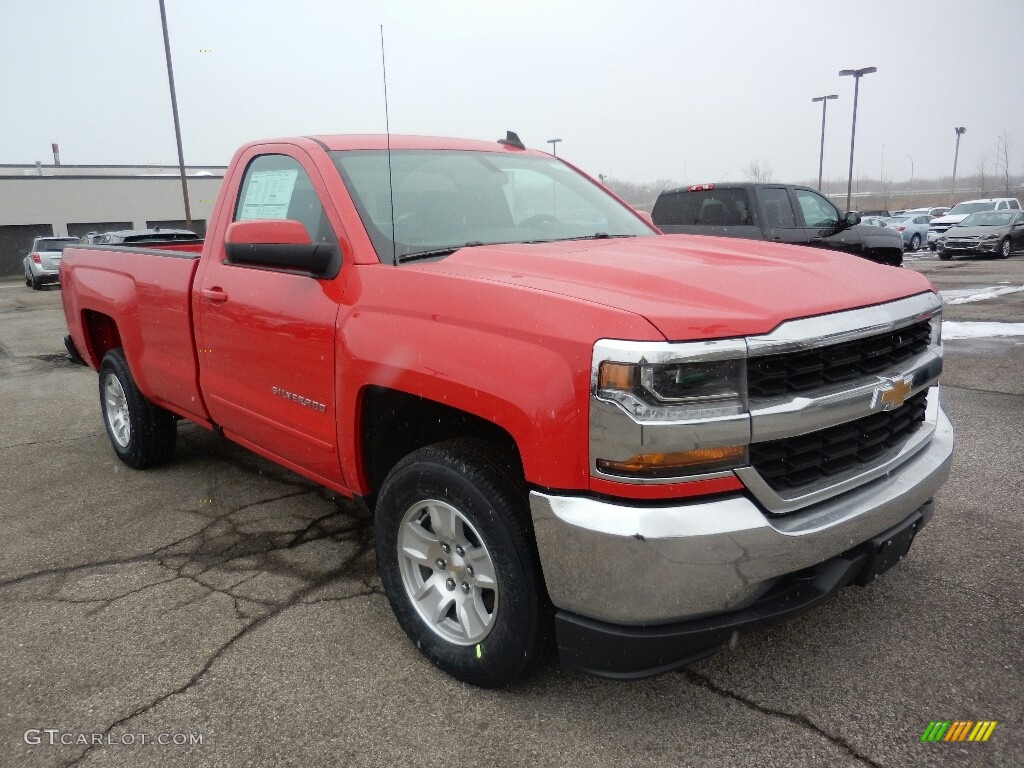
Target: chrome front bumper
x,y
631,564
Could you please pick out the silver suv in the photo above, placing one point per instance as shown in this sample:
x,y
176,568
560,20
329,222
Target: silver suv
x,y
42,265
960,211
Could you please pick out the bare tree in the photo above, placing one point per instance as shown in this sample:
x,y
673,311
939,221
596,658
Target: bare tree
x,y
759,170
982,177
638,195
1004,146
886,192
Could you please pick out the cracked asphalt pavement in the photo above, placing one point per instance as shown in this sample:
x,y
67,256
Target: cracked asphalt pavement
x,y
224,598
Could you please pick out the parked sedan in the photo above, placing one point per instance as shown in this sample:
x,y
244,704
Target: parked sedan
x,y
42,265
989,233
914,228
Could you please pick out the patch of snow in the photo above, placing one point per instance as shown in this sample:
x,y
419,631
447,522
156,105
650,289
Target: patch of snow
x,y
971,295
953,329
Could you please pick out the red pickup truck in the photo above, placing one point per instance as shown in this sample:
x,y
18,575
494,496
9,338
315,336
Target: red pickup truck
x,y
571,429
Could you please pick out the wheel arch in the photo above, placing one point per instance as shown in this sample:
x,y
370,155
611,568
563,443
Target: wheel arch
x,y
392,424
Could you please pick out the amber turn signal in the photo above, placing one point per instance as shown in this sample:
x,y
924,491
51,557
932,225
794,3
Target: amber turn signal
x,y
616,376
654,464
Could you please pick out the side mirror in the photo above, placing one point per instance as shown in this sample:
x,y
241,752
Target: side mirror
x,y
851,219
279,244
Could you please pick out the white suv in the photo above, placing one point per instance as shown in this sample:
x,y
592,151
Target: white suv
x,y
961,211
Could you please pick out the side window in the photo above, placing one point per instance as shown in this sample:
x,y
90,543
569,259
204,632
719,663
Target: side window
x,y
817,211
1015,205
778,211
276,187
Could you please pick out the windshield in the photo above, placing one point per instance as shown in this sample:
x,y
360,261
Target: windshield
x,y
987,219
961,208
444,200
56,244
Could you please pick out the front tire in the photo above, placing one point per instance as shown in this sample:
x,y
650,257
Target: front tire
x,y
1005,248
141,434
945,255
456,555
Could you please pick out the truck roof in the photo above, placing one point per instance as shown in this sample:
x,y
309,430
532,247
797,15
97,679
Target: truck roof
x,y
732,185
400,141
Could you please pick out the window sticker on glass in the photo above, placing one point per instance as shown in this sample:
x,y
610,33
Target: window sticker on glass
x,y
268,194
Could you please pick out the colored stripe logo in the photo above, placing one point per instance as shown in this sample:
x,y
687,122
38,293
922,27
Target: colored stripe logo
x,y
959,730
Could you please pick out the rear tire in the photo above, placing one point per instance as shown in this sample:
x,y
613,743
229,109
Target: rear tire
x,y
141,434
457,558
915,243
36,283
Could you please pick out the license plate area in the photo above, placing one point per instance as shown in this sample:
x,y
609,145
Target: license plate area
x,y
888,548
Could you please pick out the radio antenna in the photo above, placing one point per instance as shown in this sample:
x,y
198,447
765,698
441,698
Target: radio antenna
x,y
387,128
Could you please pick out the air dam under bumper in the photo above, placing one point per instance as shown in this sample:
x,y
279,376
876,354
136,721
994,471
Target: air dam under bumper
x,y
648,570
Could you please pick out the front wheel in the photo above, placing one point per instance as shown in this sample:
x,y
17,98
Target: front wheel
x,y
1005,248
915,242
456,556
945,255
141,434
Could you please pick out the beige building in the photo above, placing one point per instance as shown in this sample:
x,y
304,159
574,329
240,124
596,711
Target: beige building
x,y
73,200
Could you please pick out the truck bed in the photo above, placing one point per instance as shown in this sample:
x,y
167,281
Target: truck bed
x,y
152,285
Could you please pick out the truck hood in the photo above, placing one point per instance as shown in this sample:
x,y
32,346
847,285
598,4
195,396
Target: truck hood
x,y
956,219
959,231
690,286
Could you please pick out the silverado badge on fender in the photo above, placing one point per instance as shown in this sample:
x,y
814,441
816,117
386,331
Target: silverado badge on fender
x,y
891,393
299,399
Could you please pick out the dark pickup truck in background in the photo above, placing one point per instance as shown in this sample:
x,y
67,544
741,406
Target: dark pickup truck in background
x,y
781,213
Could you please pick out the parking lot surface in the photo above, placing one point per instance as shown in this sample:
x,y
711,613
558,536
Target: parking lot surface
x,y
230,609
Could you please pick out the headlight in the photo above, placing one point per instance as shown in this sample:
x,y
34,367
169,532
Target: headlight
x,y
674,391
991,237
686,405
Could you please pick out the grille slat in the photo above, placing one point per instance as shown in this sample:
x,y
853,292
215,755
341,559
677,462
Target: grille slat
x,y
777,375
793,462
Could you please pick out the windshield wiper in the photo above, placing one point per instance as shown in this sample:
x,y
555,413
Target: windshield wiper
x,y
433,252
598,236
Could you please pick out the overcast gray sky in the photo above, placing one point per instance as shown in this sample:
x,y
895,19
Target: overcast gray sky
x,y
638,90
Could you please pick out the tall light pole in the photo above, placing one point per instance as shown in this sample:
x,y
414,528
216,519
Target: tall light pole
x,y
174,110
959,132
856,74
911,193
554,146
821,152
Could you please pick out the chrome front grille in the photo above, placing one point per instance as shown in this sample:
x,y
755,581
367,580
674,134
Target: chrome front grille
x,y
793,463
777,375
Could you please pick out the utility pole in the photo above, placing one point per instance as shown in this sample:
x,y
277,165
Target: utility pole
x,y
821,152
911,193
956,156
174,110
856,74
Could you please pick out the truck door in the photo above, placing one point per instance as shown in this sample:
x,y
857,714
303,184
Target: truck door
x,y
266,336
778,217
819,220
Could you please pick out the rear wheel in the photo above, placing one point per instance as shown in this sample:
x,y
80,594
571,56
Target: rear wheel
x,y
35,282
141,434
456,556
915,242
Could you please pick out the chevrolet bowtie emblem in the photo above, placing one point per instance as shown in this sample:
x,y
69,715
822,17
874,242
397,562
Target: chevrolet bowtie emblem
x,y
890,393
